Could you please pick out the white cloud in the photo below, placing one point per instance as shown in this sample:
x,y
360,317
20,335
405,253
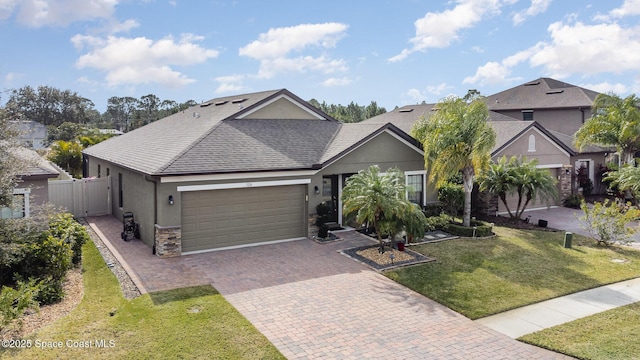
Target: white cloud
x,y
141,60
606,87
39,13
537,7
573,49
628,8
418,96
439,30
10,78
332,82
230,84
273,49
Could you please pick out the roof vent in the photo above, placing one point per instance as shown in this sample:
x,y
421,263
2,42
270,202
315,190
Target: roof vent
x,y
555,91
406,110
196,115
221,102
205,104
532,83
237,101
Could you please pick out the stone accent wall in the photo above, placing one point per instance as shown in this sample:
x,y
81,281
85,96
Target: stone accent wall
x,y
168,241
565,182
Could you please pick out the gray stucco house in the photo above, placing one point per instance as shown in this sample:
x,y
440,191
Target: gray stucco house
x,y
33,188
244,170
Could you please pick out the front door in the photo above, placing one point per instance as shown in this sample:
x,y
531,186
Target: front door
x,y
330,195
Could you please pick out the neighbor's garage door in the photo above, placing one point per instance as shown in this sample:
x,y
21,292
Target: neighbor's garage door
x,y
220,218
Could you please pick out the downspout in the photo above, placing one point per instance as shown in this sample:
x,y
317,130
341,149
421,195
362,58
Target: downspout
x,y
155,207
582,111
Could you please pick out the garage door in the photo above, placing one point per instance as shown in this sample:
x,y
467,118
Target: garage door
x,y
221,218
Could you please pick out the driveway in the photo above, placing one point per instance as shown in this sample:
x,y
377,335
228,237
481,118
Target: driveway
x,y
566,219
312,302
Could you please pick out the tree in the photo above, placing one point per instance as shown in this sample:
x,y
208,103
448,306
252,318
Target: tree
x,y
67,155
456,138
607,223
48,106
626,179
520,177
11,166
351,113
616,122
379,200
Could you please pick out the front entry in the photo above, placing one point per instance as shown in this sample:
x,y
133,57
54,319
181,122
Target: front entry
x,y
330,195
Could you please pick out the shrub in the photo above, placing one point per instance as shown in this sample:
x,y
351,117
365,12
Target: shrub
x,y
452,196
607,223
482,229
437,222
572,201
434,209
64,227
14,302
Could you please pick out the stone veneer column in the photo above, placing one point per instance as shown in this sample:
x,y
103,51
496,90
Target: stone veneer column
x,y
565,181
168,241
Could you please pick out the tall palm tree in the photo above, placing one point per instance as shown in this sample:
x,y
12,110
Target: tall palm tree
x,y
456,138
616,122
498,179
379,200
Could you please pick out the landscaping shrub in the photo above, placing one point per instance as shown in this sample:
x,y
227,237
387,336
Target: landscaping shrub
x,y
482,229
64,227
452,196
14,302
434,209
437,222
572,201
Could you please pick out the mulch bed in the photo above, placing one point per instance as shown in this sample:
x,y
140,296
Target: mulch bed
x,y
371,256
519,224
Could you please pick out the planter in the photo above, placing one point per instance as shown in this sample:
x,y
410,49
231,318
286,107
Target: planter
x,y
400,246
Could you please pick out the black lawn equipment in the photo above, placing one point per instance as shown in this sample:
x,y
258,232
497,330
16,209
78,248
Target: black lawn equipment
x,y
130,227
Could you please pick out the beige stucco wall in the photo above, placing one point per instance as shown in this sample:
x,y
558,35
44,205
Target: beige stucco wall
x,y
546,151
39,190
566,121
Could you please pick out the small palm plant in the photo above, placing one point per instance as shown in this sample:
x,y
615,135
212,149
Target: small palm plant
x,y
379,200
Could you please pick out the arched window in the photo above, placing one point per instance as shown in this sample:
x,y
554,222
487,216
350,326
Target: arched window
x,y
532,143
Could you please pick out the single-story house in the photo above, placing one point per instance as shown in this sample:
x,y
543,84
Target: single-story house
x,y
33,188
244,170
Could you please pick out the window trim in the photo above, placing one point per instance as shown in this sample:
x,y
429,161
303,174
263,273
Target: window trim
x,y
424,184
25,192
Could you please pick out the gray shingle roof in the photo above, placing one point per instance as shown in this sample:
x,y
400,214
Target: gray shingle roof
x,y
214,138
543,93
37,165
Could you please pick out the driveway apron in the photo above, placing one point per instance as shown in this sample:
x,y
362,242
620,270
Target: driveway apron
x,y
312,302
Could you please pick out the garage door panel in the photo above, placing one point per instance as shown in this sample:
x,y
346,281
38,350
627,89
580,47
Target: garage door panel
x,y
221,218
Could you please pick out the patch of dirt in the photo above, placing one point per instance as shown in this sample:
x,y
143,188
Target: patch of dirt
x,y
517,224
374,255
36,320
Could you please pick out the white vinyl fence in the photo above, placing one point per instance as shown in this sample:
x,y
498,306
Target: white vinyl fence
x,y
82,197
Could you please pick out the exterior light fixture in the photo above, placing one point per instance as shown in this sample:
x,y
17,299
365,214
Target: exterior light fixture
x,y
170,199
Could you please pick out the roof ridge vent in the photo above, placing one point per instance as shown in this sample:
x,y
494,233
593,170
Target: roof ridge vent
x,y
537,82
221,102
405,110
237,101
560,91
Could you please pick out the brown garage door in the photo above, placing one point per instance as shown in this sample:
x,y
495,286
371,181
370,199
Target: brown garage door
x,y
220,218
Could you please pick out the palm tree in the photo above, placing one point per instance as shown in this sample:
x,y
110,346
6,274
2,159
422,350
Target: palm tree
x,y
456,138
520,177
616,122
379,200
627,178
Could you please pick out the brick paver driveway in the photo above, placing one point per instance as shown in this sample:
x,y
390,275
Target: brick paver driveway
x,y
312,302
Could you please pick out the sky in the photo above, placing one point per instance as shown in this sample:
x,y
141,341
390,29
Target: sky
x,y
394,52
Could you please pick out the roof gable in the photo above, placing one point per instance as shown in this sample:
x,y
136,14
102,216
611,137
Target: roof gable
x,y
508,132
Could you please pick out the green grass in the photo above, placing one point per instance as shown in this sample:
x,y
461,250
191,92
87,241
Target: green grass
x,y
483,277
611,334
187,323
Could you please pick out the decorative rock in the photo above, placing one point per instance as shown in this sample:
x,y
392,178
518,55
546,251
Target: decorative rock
x,y
168,241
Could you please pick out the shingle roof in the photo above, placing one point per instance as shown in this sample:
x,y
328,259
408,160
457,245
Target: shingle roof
x,y
403,117
215,138
543,93
37,165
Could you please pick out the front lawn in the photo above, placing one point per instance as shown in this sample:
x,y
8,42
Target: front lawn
x,y
478,278
186,323
611,334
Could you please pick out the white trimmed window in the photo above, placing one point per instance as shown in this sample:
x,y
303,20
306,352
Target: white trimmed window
x,y
19,207
416,186
532,143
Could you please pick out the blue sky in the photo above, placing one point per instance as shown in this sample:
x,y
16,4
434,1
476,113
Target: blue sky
x,y
395,52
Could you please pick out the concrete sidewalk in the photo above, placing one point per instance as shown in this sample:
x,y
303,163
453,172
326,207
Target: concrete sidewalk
x,y
532,318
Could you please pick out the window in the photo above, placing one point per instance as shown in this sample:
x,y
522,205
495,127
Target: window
x,y
415,188
108,172
532,143
98,170
19,207
120,190
527,115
